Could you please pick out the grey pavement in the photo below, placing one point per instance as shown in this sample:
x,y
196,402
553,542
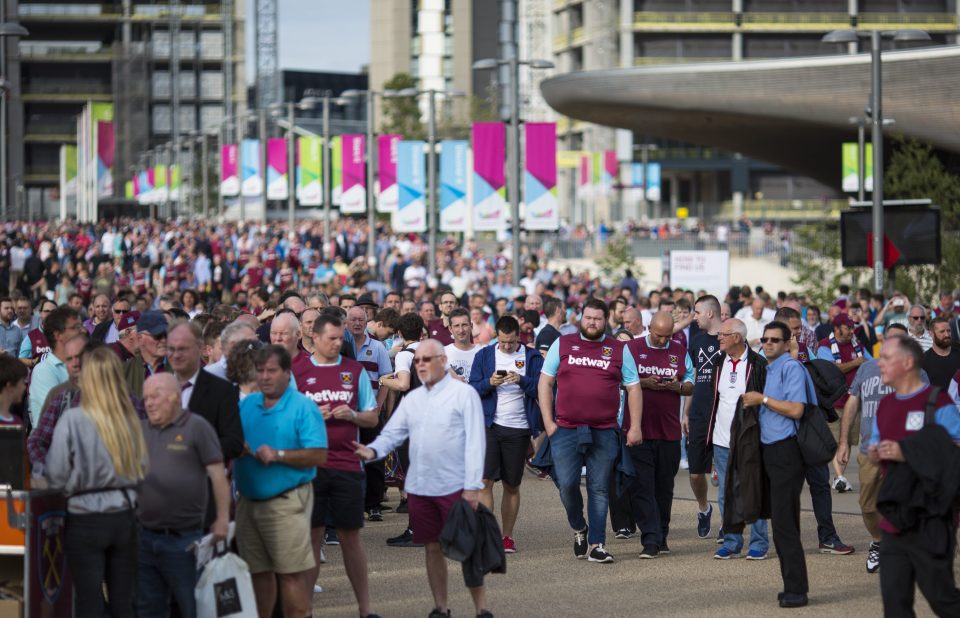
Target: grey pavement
x,y
544,579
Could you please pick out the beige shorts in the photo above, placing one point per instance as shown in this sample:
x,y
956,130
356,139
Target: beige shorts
x,y
853,437
274,535
869,484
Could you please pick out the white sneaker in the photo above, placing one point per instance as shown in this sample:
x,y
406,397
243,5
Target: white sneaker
x,y
323,556
684,465
842,485
583,471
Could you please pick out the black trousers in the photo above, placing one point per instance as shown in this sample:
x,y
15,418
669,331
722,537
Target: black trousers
x,y
102,547
904,562
786,472
651,493
376,472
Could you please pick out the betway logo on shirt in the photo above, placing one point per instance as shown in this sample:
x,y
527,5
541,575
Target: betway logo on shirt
x,y
584,361
330,396
657,371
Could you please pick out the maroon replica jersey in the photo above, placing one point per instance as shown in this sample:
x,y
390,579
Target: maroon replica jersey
x,y
439,332
334,385
661,409
847,354
588,382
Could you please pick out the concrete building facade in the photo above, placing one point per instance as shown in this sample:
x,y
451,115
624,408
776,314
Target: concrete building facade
x,y
164,65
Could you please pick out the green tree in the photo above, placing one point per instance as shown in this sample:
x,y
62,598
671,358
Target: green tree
x,y
816,260
401,115
915,171
617,258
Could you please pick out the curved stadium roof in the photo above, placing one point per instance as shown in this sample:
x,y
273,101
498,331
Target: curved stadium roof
x,y
792,112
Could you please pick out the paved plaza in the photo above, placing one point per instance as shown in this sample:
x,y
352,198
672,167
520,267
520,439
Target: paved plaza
x,y
544,579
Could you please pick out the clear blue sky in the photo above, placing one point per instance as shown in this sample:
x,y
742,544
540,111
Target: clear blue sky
x,y
319,35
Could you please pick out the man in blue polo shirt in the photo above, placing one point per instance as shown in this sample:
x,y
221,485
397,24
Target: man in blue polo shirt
x,y
787,390
286,441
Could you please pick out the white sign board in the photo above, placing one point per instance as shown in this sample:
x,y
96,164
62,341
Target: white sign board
x,y
701,270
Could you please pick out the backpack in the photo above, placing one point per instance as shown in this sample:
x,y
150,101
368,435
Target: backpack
x,y
829,383
414,379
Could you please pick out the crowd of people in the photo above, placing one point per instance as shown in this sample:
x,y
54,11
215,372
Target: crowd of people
x,y
175,377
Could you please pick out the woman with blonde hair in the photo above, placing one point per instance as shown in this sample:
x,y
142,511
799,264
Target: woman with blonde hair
x,y
97,458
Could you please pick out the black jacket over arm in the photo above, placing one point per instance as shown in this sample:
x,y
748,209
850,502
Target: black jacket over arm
x,y
746,488
217,400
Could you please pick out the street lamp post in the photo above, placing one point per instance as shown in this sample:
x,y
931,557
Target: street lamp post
x,y
876,121
513,148
205,174
431,164
306,103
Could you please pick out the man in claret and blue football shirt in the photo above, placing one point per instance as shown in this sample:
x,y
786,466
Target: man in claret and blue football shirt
x,y
344,396
666,373
588,369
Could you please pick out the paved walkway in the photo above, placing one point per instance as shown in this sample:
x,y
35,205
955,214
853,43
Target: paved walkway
x,y
544,579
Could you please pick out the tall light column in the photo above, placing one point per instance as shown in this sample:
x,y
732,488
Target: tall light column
x,y
7,29
846,37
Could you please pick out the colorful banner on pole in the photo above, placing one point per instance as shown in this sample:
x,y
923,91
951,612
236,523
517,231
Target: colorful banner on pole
x,y
251,178
68,180
489,203
173,178
336,160
160,190
453,185
102,114
354,197
145,196
540,177
229,174
411,213
310,171
277,180
653,182
851,168
387,171
609,171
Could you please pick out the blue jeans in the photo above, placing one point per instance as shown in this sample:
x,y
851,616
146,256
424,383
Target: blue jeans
x,y
599,458
759,541
165,568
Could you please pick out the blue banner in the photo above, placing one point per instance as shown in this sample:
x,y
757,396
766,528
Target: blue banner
x,y
653,180
411,213
453,185
251,176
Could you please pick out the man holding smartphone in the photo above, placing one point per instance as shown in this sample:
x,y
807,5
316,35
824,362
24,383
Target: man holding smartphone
x,y
506,377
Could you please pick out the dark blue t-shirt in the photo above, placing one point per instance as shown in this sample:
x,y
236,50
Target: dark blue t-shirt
x,y
704,352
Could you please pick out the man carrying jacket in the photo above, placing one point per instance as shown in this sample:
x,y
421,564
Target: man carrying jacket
x,y
506,377
736,371
907,557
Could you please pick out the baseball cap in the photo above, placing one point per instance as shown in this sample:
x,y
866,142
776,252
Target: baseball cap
x,y
128,320
153,322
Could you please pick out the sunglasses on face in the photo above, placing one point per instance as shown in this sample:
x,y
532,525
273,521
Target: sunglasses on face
x,y
772,340
423,360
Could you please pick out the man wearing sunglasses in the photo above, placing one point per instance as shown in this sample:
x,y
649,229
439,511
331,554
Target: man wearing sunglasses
x,y
108,331
444,422
787,390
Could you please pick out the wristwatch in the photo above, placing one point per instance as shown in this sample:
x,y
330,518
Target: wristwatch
x,y
281,454
765,398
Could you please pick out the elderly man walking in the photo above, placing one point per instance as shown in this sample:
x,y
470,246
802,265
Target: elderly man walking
x,y
444,421
184,451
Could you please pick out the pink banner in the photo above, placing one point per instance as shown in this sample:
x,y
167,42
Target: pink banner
x,y
387,171
354,197
229,172
277,181
610,164
584,170
540,181
106,149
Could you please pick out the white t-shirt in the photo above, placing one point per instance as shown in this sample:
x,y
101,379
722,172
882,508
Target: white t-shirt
x,y
404,359
732,384
460,361
510,412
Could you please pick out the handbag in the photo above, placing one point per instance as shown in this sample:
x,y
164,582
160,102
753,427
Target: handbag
x,y
816,441
225,589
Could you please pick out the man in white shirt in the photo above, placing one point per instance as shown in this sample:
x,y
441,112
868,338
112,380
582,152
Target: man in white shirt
x,y
461,352
444,422
917,317
755,322
737,365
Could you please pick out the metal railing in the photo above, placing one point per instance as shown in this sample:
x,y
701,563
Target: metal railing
x,y
682,20
930,21
785,210
788,21
657,60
